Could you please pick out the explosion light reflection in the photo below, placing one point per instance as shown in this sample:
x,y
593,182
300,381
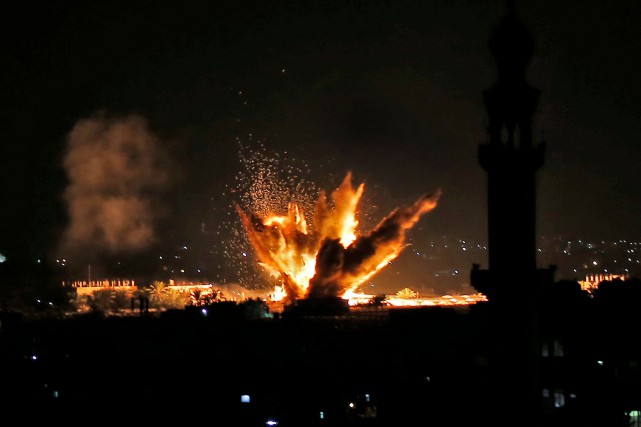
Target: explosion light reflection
x,y
363,299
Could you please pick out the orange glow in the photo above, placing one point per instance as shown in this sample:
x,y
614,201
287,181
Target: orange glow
x,y
394,301
328,257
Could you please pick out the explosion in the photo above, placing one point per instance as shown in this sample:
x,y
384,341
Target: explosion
x,y
326,257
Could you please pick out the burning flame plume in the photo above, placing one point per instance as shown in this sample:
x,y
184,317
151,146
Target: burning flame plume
x,y
327,258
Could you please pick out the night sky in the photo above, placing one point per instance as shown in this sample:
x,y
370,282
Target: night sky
x,y
390,91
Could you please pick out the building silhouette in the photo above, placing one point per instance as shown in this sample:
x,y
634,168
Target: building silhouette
x,y
513,283
546,368
511,162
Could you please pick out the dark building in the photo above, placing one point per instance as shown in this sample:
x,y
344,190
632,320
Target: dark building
x,y
513,282
545,364
511,161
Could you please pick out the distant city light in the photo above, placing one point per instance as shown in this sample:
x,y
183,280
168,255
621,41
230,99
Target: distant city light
x,y
271,423
244,398
2,258
559,399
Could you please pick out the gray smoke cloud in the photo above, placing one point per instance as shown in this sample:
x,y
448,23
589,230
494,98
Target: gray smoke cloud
x,y
117,169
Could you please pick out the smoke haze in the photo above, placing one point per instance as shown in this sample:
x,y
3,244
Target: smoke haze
x,y
117,170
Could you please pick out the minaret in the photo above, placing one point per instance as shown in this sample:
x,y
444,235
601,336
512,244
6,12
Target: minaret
x,y
513,284
511,161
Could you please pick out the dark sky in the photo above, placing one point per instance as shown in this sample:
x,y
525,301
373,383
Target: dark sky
x,y
388,90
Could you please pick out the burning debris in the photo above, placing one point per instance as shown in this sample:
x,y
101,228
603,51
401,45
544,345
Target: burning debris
x,y
326,258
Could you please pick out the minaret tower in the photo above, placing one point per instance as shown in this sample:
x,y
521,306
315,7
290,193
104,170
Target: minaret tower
x,y
513,284
511,161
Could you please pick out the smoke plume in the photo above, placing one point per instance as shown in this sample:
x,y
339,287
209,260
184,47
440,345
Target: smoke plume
x,y
116,169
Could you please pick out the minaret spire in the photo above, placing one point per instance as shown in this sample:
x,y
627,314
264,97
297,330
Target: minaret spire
x,y
511,161
513,284
511,102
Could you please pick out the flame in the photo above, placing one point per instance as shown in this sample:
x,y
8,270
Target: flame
x,y
327,257
278,294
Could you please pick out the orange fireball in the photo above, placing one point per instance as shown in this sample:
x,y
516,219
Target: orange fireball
x,y
327,257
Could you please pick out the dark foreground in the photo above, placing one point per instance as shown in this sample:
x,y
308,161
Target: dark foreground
x,y
372,368
332,370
